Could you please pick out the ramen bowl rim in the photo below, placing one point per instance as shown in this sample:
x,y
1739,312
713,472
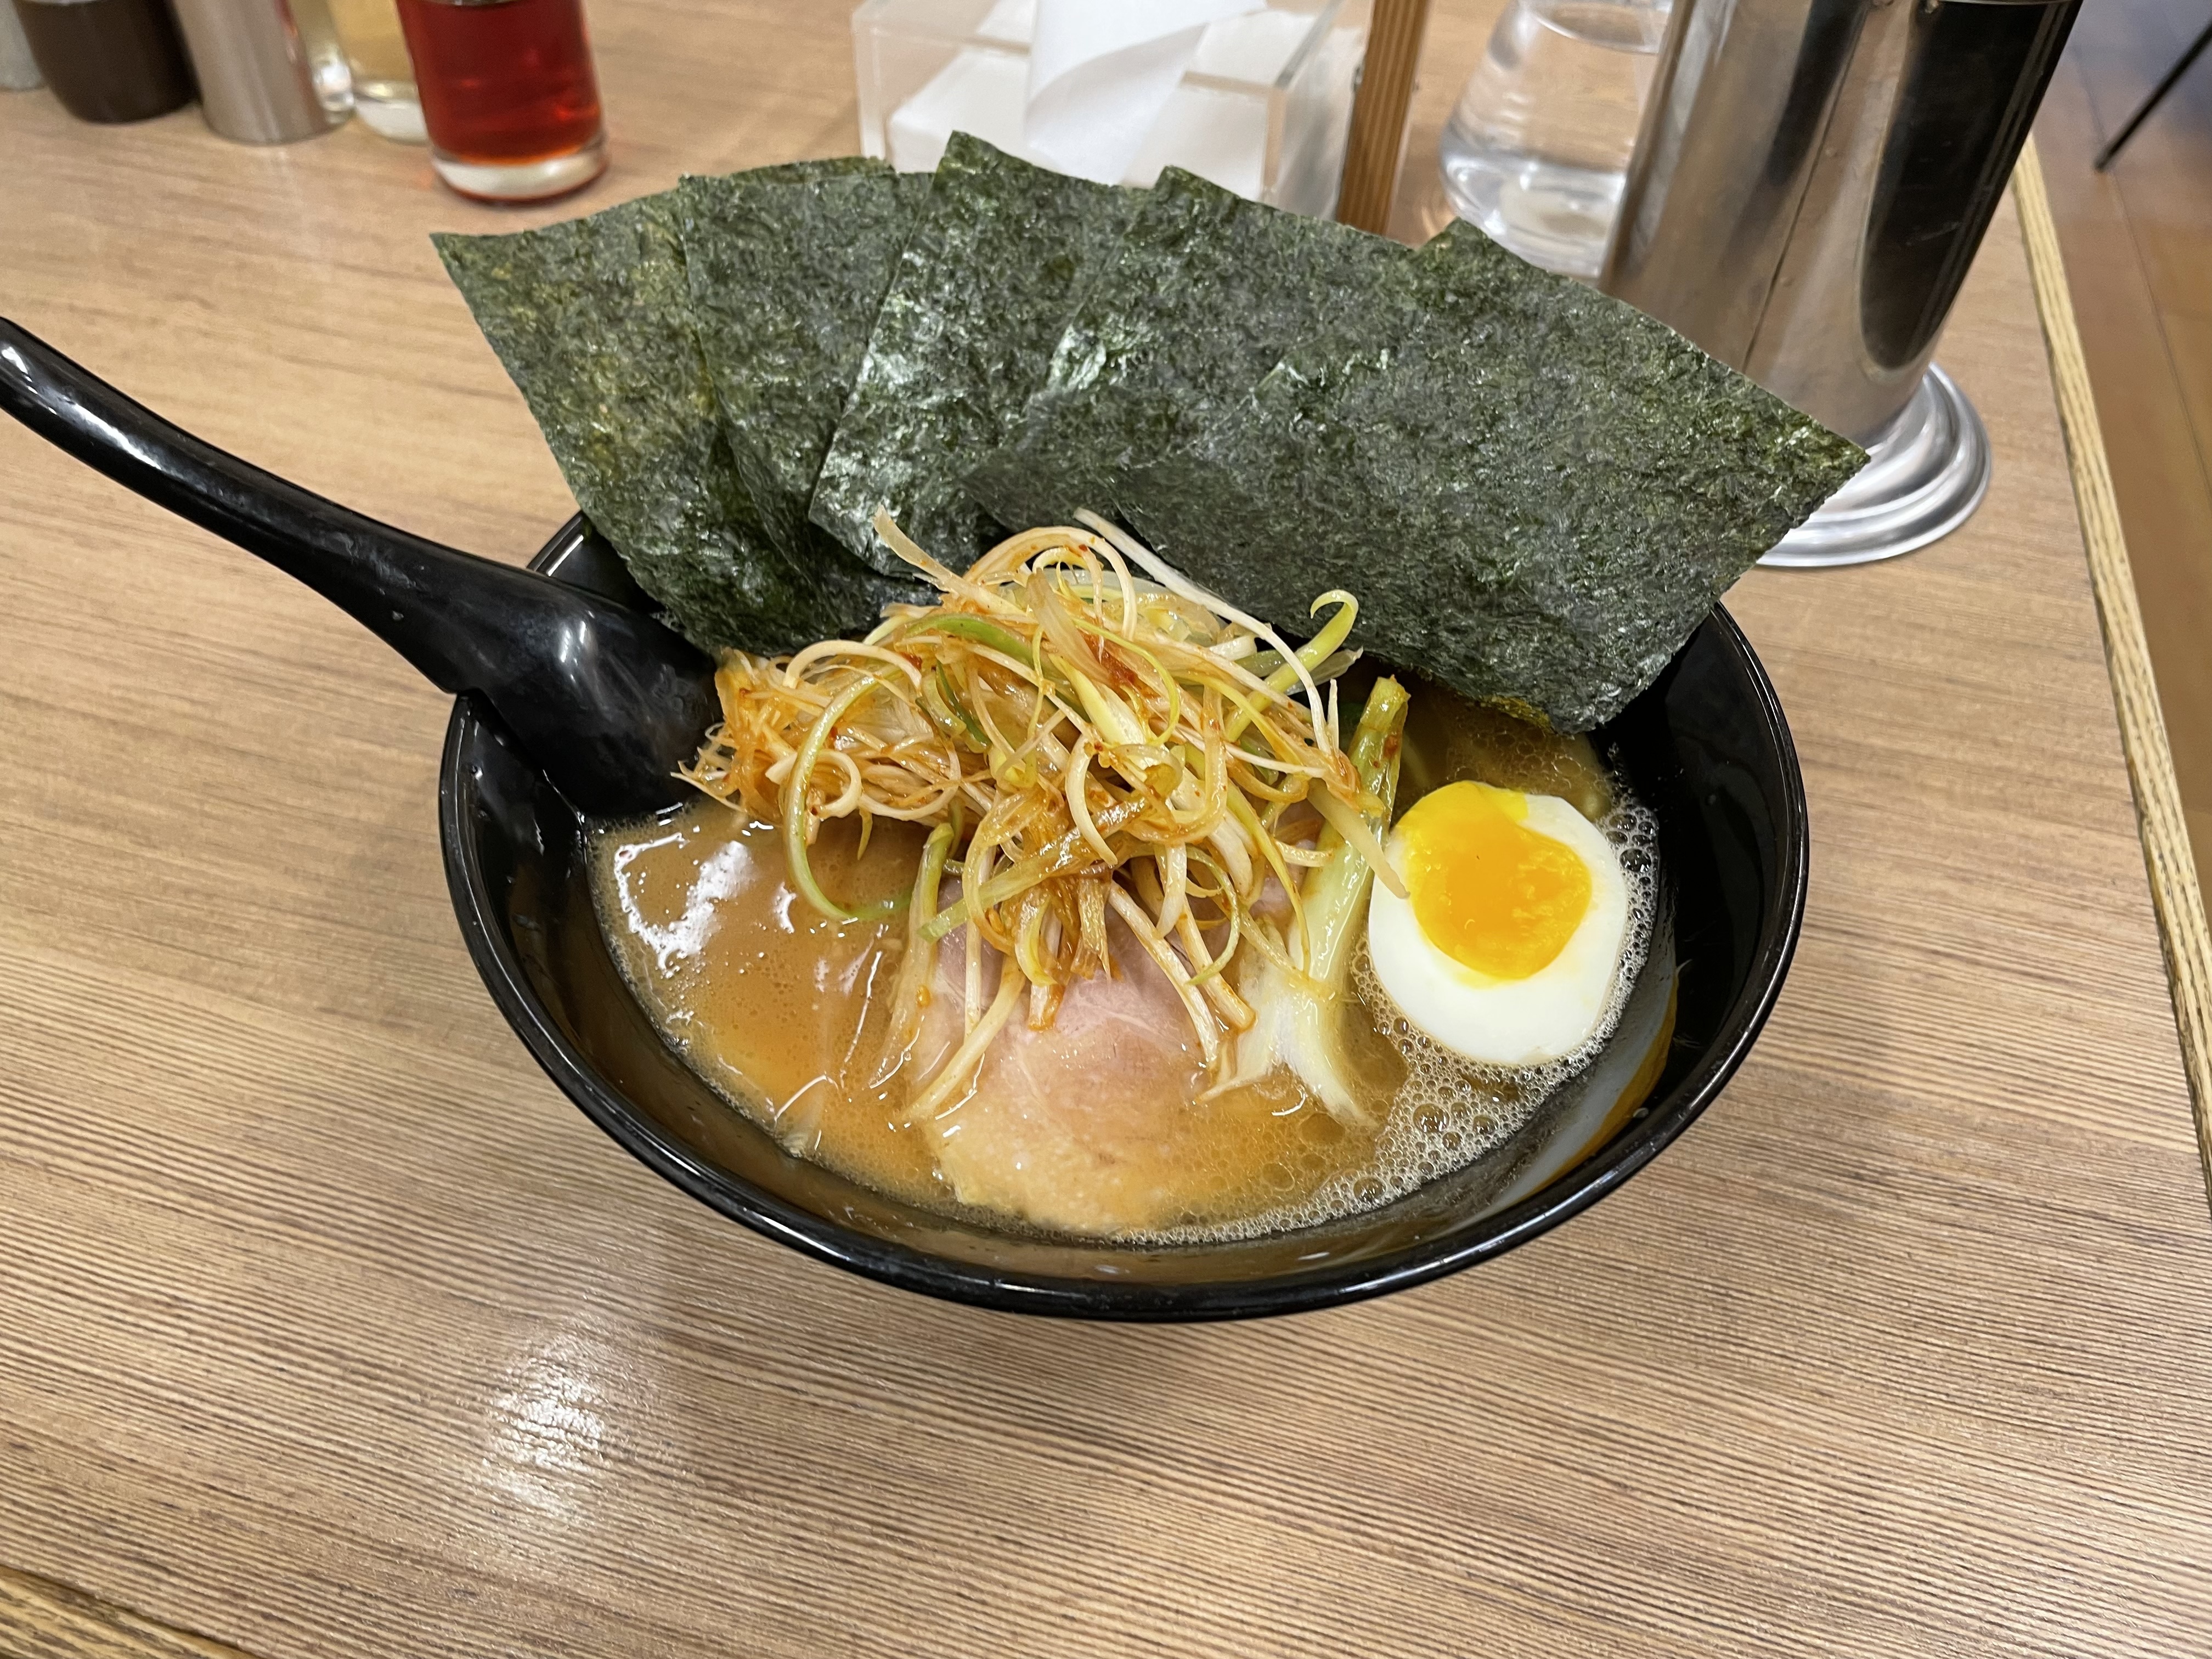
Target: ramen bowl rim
x,y
1632,1147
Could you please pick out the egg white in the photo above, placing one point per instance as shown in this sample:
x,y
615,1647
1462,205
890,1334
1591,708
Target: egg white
x,y
1507,1023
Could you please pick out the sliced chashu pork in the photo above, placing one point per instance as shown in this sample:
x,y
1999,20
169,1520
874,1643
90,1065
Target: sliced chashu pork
x,y
1089,1126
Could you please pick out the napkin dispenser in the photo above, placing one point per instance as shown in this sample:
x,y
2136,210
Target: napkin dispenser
x,y
1262,108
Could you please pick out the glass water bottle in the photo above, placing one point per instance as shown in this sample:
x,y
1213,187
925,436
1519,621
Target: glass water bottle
x,y
1538,147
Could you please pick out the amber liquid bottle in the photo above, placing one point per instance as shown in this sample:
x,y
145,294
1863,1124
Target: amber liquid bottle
x,y
508,95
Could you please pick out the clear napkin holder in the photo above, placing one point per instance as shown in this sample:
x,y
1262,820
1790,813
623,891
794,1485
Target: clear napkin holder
x,y
1263,109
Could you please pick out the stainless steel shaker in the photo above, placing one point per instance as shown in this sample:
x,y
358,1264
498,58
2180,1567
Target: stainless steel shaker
x,y
260,62
19,71
1812,180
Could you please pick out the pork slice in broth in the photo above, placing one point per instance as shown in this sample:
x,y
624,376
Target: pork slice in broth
x,y
1089,1126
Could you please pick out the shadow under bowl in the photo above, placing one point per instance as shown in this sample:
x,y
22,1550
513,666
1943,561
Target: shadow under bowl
x,y
1705,748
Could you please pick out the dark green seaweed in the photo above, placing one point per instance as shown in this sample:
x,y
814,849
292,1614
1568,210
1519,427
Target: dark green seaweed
x,y
592,319
788,271
1208,293
983,290
1536,491
828,166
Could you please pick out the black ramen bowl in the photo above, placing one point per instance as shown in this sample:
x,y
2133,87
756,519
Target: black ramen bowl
x,y
1705,748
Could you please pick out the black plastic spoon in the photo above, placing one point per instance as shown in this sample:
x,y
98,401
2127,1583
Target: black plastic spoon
x,y
608,702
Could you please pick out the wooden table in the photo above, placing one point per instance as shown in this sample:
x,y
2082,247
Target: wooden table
x,y
326,1327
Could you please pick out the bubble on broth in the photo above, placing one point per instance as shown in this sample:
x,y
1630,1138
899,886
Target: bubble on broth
x,y
1449,1111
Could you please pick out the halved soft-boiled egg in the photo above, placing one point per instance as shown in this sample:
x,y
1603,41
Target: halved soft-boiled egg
x,y
1516,914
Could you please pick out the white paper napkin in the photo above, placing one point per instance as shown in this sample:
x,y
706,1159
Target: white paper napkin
x,y
1102,70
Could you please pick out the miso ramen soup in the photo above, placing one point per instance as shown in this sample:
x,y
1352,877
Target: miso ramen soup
x,y
1106,1119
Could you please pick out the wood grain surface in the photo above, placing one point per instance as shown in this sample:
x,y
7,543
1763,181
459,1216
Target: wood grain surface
x,y
2174,890
41,1620
2138,242
327,1327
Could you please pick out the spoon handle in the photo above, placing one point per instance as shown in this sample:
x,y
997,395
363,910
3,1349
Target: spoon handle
x,y
423,599
606,700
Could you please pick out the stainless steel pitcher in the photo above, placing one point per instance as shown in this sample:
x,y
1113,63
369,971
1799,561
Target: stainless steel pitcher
x,y
1812,180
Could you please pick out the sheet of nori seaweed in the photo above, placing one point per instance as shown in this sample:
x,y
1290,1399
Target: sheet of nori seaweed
x,y
982,292
592,320
1536,490
1207,292
788,270
828,166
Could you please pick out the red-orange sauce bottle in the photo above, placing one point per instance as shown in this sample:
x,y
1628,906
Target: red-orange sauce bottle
x,y
508,95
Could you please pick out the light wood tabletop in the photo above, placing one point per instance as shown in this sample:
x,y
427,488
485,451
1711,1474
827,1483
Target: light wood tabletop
x,y
327,1327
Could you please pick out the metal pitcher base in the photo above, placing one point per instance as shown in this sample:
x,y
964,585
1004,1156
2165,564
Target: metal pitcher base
x,y
1923,479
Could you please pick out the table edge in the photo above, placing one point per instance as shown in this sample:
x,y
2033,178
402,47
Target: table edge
x,y
42,1616
2183,933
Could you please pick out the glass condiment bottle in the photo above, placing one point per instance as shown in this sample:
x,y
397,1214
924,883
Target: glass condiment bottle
x,y
108,60
384,93
327,68
508,95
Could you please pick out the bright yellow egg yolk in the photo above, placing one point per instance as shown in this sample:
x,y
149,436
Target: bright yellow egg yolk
x,y
1487,890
